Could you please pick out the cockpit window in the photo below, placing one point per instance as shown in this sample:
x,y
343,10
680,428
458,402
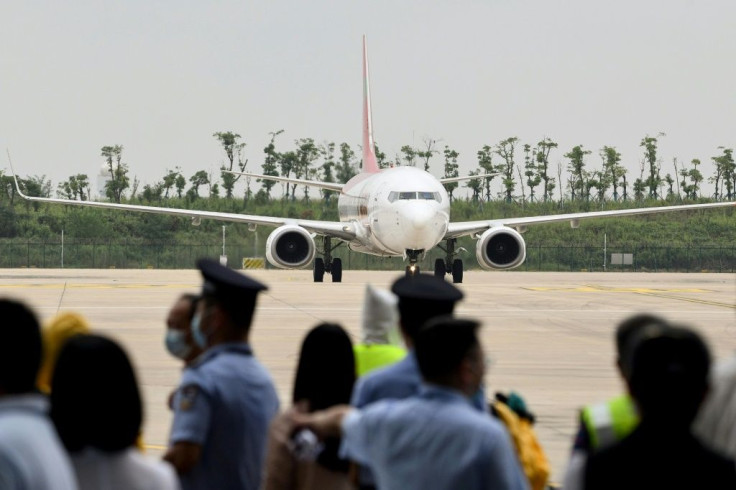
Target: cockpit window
x,y
405,196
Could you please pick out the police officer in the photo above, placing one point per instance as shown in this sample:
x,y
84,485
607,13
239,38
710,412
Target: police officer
x,y
226,398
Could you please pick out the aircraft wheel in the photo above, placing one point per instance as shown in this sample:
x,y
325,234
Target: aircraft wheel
x,y
439,268
336,270
457,271
319,270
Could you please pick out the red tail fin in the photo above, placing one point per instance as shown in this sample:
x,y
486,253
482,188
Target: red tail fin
x,y
370,164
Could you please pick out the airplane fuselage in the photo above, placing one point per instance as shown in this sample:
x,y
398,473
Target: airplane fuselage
x,y
396,210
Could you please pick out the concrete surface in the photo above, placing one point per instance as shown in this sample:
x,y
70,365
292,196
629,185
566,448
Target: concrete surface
x,y
550,334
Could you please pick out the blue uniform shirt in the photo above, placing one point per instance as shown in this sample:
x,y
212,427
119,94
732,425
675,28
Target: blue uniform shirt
x,y
225,403
435,440
397,381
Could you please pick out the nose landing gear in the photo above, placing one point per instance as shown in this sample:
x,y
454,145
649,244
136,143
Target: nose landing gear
x,y
413,255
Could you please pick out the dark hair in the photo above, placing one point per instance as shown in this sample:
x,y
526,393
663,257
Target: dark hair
x,y
20,348
630,332
669,376
95,399
414,313
325,376
442,344
240,310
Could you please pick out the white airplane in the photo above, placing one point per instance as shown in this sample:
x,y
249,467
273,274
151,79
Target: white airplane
x,y
394,212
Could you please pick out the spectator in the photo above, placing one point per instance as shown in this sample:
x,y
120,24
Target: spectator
x,y
606,423
179,341
96,407
57,331
226,398
715,424
324,378
668,381
437,439
31,455
379,346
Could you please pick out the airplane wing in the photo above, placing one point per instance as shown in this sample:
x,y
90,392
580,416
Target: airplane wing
x,y
462,228
332,186
344,231
466,177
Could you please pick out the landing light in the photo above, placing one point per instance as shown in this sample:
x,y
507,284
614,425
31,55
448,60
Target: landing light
x,y
412,268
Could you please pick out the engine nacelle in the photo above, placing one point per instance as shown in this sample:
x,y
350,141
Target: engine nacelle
x,y
290,247
500,248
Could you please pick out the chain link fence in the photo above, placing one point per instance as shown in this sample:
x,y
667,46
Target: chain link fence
x,y
83,254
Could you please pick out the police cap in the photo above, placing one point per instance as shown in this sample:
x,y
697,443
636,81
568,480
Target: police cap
x,y
425,287
226,284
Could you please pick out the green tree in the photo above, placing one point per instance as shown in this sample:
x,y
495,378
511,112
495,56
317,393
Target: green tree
x,y
409,155
180,183
505,149
533,177
725,172
380,157
544,148
475,185
169,181
328,168
230,142
485,162
76,187
346,167
612,168
428,152
653,181
451,169
307,153
270,163
197,180
119,181
578,174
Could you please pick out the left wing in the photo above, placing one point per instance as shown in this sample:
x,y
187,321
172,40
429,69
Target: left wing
x,y
332,186
466,177
462,228
344,231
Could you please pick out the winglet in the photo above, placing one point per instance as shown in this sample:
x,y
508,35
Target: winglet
x,y
370,163
15,178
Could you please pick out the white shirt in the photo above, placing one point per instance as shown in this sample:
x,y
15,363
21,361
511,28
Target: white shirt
x,y
31,455
127,469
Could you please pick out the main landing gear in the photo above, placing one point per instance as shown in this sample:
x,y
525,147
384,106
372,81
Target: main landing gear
x,y
449,265
327,264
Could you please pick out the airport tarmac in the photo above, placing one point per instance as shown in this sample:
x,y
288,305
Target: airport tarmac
x,y
550,335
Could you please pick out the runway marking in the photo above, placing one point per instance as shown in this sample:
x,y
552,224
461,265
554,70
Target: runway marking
x,y
155,446
656,292
95,286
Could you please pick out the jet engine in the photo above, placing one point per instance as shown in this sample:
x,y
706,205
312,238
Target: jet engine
x,y
500,248
290,247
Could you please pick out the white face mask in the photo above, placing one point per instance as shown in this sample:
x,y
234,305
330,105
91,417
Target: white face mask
x,y
176,343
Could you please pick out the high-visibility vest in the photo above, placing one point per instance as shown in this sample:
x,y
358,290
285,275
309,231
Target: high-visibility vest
x,y
372,356
611,421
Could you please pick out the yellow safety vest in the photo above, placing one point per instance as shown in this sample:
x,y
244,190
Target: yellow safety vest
x,y
611,421
372,356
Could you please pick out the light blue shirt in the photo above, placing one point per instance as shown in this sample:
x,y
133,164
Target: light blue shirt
x,y
436,440
31,454
225,403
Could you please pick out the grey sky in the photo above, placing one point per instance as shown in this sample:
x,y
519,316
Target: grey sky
x,y
161,77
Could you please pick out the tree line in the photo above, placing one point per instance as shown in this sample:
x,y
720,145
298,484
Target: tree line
x,y
524,172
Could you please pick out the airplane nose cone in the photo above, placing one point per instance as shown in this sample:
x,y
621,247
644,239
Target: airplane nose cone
x,y
420,218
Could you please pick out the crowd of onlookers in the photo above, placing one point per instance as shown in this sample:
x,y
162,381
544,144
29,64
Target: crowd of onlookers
x,y
403,408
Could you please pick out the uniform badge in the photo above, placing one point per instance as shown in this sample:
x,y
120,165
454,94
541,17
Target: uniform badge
x,y
187,396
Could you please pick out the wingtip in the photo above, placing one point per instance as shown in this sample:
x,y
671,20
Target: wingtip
x,y
15,177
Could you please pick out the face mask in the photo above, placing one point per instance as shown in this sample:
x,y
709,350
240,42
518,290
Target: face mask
x,y
199,336
176,343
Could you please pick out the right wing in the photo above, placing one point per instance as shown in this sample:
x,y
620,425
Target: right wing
x,y
332,186
345,231
467,177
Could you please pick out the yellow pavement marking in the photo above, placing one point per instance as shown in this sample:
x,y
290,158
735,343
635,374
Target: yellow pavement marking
x,y
92,286
154,446
660,293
